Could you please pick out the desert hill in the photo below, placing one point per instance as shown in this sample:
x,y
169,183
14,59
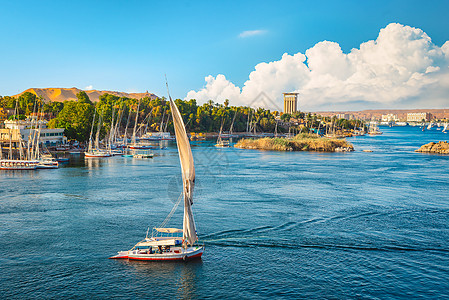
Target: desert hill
x,y
62,94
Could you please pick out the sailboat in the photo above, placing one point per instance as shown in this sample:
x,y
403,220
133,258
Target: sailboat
x,y
220,142
167,244
96,152
445,127
373,129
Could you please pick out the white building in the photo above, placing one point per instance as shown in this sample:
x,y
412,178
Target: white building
x,y
345,116
419,117
50,137
390,118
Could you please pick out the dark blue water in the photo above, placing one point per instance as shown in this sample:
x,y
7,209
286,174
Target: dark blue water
x,y
276,224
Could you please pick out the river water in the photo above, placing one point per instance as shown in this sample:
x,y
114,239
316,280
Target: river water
x,y
275,224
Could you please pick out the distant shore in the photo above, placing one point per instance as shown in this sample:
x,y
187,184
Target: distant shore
x,y
301,142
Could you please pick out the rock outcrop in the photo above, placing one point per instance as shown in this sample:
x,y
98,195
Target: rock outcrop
x,y
440,148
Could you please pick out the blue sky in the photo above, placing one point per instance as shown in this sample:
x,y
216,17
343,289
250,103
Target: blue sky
x,y
130,45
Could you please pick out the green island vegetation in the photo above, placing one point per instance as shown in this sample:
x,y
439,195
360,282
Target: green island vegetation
x,y
300,142
76,116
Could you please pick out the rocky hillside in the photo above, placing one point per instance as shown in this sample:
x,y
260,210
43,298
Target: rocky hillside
x,y
62,94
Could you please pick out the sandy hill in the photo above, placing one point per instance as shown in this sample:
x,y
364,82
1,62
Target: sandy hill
x,y
62,94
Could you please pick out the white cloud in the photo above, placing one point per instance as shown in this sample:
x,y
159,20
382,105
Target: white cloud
x,y
89,87
217,89
401,68
249,33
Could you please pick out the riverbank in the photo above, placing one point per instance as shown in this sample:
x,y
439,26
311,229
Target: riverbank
x,y
440,148
301,142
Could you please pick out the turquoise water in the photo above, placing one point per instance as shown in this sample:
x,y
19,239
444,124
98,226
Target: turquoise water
x,y
275,224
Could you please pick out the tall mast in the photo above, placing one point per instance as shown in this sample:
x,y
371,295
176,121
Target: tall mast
x,y
10,143
111,130
148,121
89,149
125,136
97,134
31,131
133,139
247,122
117,124
232,124
37,154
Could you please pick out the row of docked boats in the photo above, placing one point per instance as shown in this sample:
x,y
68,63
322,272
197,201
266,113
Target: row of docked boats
x,y
125,146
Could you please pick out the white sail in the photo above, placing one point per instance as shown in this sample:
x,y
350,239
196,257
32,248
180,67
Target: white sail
x,y
188,174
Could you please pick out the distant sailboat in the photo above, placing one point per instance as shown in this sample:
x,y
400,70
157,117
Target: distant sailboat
x,y
220,141
163,245
373,129
95,151
445,127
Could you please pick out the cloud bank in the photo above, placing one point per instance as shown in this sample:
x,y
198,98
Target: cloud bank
x,y
402,68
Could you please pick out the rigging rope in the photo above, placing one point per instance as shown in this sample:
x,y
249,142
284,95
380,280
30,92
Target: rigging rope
x,y
162,225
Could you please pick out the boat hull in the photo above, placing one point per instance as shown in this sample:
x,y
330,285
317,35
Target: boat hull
x,y
140,147
18,165
86,154
191,253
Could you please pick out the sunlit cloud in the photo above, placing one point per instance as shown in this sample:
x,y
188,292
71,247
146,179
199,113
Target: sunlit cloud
x,y
401,68
89,87
249,33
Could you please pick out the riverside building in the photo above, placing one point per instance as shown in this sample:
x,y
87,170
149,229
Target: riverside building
x,y
419,117
290,103
24,128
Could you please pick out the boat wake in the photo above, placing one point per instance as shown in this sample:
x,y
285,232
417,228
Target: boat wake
x,y
282,244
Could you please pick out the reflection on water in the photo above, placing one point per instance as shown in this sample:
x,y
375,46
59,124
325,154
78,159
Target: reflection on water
x,y
276,224
181,274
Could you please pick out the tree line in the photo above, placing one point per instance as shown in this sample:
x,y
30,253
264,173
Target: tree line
x,y
76,116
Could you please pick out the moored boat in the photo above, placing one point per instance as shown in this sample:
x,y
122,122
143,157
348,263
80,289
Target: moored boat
x,y
47,161
18,164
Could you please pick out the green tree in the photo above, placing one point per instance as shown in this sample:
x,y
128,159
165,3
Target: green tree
x,y
76,119
83,97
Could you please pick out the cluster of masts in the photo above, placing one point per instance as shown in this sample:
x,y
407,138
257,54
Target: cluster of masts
x,y
27,155
116,144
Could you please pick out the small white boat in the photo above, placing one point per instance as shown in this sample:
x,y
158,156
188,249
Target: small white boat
x,y
75,152
220,142
373,129
47,161
143,155
97,153
140,147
